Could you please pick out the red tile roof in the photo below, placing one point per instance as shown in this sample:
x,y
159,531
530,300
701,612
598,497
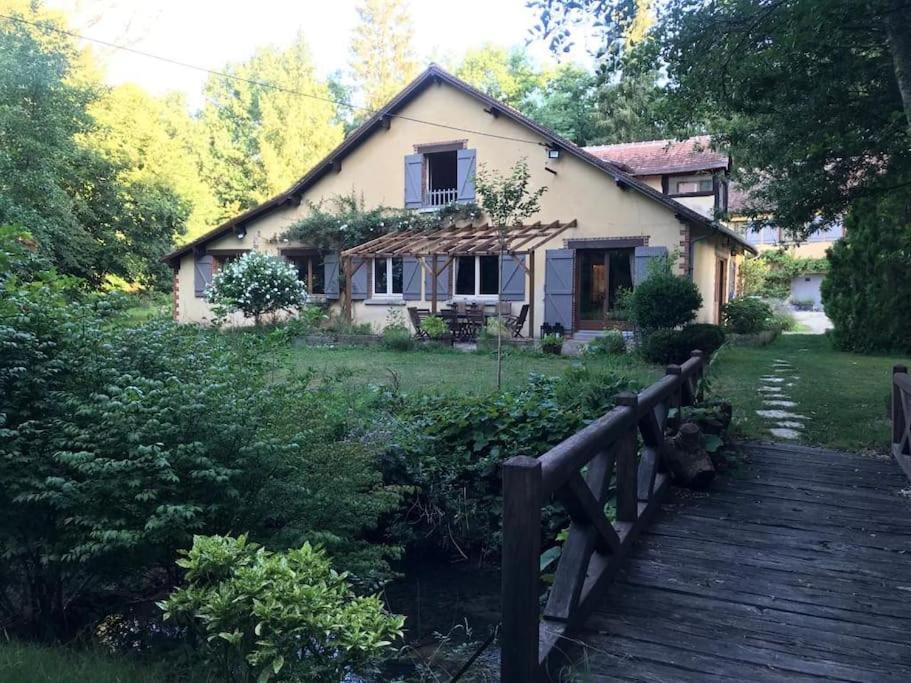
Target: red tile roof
x,y
654,157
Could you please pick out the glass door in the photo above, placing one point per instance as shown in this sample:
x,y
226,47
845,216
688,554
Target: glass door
x,y
593,278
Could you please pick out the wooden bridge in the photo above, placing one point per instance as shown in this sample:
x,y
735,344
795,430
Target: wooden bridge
x,y
796,567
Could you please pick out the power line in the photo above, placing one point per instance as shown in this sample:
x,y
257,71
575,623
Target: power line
x,y
263,84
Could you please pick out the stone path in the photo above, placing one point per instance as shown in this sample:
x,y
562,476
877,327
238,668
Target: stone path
x,y
778,409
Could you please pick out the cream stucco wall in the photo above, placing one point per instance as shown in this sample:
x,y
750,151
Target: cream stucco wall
x,y
374,171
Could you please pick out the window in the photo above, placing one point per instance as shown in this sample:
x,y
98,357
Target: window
x,y
694,185
311,271
441,178
219,261
387,276
477,275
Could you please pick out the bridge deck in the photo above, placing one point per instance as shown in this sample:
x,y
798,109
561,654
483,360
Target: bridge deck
x,y
796,567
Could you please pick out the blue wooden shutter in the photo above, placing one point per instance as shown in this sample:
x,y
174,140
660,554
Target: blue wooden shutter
x,y
442,279
202,274
558,287
411,279
512,275
359,278
644,257
465,170
414,181
330,273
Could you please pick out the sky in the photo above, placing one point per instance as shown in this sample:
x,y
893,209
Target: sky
x,y
211,33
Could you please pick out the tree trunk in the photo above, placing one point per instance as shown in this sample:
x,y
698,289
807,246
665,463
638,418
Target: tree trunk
x,y
897,20
689,463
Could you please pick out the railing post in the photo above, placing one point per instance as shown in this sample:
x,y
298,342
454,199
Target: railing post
x,y
520,567
627,467
898,414
700,373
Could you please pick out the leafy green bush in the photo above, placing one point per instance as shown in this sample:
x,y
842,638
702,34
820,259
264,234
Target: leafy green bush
x,y
118,444
256,284
451,448
608,344
770,274
397,338
664,301
676,346
435,327
746,315
867,293
287,615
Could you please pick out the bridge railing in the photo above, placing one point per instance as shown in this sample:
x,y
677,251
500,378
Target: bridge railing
x,y
580,474
901,417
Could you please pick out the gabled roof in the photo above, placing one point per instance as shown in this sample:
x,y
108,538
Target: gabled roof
x,y
383,118
655,157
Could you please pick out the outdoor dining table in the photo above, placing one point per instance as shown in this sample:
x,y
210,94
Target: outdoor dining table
x,y
464,325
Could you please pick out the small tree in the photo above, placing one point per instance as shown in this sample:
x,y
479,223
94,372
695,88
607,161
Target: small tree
x,y
256,284
508,201
664,300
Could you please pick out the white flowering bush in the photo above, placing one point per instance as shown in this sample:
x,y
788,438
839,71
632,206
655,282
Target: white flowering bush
x,y
256,284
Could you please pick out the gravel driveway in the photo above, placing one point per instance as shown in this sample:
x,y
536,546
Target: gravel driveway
x,y
815,320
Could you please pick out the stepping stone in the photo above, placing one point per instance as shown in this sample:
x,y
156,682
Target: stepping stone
x,y
772,379
790,424
772,392
780,415
783,404
783,433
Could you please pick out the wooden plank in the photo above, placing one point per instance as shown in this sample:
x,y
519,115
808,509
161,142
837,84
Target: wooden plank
x,y
627,466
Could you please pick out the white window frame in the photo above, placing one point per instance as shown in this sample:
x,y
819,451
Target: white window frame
x,y
387,294
477,296
692,179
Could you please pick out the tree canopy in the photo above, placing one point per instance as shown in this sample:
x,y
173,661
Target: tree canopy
x,y
809,95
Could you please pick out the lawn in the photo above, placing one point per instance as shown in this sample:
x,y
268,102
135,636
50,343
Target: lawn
x,y
443,371
26,663
844,396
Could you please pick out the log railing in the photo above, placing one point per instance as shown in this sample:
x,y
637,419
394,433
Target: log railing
x,y
901,417
580,474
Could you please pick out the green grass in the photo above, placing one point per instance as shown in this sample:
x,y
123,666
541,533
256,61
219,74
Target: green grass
x,y
448,371
25,663
845,396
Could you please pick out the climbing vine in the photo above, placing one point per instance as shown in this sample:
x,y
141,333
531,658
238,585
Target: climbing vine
x,y
344,221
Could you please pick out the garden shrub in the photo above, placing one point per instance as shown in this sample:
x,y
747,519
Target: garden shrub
x,y
256,284
867,293
435,327
664,301
118,444
676,346
396,334
608,344
286,615
746,315
451,448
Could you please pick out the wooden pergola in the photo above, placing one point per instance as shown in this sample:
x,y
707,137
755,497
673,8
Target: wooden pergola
x,y
436,250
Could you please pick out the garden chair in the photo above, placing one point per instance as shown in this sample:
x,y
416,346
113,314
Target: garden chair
x,y
474,323
515,323
417,316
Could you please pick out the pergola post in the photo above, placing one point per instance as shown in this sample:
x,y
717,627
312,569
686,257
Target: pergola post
x,y
433,284
346,266
531,294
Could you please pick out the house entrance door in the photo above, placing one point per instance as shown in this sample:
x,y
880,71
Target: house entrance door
x,y
600,276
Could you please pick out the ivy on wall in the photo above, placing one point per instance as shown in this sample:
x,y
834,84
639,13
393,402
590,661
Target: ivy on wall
x,y
344,221
770,274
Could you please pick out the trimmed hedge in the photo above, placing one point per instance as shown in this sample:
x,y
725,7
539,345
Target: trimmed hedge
x,y
675,346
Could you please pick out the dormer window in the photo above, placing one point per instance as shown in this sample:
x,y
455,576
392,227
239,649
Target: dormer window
x,y
439,174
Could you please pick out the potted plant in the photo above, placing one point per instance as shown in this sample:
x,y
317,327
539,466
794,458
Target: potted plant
x,y
437,330
552,343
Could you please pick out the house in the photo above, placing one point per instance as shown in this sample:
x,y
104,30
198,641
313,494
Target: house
x,y
688,170
598,228
805,286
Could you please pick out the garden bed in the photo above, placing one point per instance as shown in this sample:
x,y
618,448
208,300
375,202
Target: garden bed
x,y
337,340
490,344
